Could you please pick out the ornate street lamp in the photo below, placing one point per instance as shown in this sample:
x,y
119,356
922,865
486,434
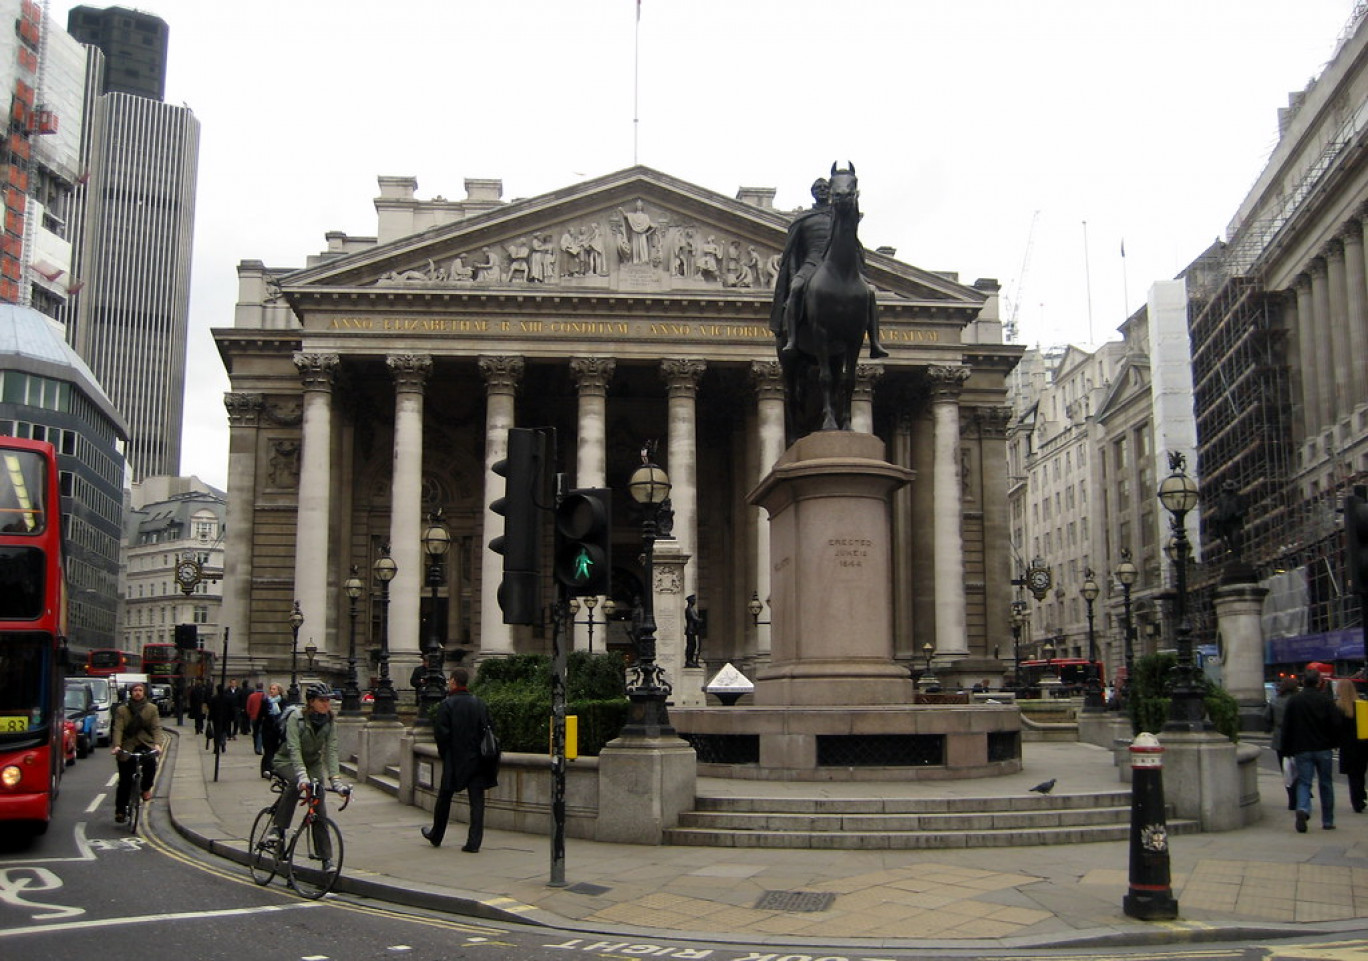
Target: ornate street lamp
x,y
647,687
351,694
928,652
756,607
1092,686
310,651
591,602
436,542
1178,494
1127,574
1019,616
296,622
384,569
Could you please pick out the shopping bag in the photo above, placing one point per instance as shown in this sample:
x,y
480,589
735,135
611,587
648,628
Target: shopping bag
x,y
1289,773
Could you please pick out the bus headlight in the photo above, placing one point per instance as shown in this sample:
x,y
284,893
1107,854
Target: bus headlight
x,y
11,775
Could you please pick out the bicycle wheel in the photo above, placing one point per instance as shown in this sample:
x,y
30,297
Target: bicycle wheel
x,y
263,851
135,804
310,874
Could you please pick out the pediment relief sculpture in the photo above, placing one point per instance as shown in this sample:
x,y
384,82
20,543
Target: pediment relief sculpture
x,y
631,247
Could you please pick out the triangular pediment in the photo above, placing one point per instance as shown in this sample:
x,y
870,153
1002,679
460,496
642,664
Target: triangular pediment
x,y
637,231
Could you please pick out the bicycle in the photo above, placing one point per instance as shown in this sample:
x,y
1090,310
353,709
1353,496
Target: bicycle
x,y
265,858
135,800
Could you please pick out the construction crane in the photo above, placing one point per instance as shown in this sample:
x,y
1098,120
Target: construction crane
x,y
1010,328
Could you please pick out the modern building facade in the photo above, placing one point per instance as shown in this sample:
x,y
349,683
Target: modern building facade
x,y
169,518
134,45
48,393
379,382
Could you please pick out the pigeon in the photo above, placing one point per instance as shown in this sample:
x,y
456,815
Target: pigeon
x,y
1045,787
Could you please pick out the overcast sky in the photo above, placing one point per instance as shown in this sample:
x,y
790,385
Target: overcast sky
x,y
986,133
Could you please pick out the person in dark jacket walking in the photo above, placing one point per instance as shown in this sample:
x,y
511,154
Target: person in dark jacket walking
x,y
1310,733
459,726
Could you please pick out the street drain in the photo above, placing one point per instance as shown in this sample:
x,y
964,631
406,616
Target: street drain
x,y
804,901
584,887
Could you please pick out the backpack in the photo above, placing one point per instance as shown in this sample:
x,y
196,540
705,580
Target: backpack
x,y
281,721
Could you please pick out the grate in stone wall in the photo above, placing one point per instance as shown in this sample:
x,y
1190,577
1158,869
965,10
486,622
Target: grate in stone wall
x,y
880,750
725,748
1004,745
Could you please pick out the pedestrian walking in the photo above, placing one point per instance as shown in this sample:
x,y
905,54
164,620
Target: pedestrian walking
x,y
254,703
222,717
1353,753
460,724
270,728
1311,732
1277,710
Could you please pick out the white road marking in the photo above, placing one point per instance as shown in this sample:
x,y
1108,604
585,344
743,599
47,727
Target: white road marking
x,y
83,846
95,804
154,918
16,883
113,780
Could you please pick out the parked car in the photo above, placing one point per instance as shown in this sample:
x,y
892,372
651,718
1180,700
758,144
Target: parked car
x,y
103,692
69,742
80,711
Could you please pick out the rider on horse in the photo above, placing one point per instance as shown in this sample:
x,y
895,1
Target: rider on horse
x,y
803,250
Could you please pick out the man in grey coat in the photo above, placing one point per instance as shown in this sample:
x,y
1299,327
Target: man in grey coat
x,y
459,725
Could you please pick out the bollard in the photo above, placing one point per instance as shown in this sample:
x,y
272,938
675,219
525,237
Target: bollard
x,y
1151,896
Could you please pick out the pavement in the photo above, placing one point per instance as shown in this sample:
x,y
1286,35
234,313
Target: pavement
x,y
1260,882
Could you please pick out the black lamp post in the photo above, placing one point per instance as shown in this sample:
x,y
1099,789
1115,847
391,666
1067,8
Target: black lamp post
x,y
756,607
928,652
351,694
1127,574
1178,494
436,542
1019,615
648,688
383,708
296,622
591,602
1092,686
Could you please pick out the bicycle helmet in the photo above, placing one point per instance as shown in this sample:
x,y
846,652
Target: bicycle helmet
x,y
316,691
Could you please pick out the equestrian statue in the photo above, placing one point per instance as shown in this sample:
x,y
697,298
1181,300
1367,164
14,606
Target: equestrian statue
x,y
823,307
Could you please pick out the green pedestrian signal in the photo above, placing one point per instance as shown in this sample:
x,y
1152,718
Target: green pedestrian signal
x,y
583,541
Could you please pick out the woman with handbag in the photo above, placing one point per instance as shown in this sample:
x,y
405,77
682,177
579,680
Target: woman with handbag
x,y
460,727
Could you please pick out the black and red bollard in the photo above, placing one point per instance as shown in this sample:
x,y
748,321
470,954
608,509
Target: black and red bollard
x,y
1151,894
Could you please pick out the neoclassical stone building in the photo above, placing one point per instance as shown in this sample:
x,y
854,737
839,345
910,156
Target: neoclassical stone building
x,y
378,383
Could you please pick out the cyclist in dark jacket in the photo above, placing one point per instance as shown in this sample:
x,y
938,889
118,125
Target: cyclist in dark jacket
x,y
137,727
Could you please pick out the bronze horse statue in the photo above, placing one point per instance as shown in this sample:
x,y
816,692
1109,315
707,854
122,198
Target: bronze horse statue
x,y
837,309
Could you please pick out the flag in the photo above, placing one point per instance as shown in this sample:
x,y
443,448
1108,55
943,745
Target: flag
x,y
638,11
1123,242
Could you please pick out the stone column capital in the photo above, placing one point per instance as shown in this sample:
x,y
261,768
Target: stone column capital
x,y
1302,282
410,371
866,376
682,374
767,378
1351,233
502,374
593,374
993,421
1333,249
1317,267
317,371
244,410
947,381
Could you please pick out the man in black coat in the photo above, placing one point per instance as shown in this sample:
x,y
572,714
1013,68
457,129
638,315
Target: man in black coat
x,y
1310,732
459,726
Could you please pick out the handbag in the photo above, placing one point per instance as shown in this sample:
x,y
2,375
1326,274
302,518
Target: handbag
x,y
489,745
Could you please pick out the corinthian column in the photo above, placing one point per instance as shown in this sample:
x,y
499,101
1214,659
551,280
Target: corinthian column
x,y
592,376
997,527
244,415
410,372
1339,330
681,376
951,625
862,402
1356,287
1305,372
501,375
768,381
313,523
1324,370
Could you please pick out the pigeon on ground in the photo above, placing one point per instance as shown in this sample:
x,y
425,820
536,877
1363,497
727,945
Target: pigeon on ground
x,y
1045,787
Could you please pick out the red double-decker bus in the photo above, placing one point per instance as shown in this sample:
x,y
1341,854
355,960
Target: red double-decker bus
x,y
32,632
161,663
108,661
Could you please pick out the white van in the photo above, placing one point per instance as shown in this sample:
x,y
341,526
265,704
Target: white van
x,y
103,692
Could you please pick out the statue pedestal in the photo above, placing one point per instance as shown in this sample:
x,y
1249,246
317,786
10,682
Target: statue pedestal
x,y
831,588
1238,609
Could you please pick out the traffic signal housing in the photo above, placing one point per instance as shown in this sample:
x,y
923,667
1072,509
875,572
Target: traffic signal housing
x,y
524,473
1356,539
584,550
187,637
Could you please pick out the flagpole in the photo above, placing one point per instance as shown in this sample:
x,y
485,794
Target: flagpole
x,y
636,75
1125,281
1087,278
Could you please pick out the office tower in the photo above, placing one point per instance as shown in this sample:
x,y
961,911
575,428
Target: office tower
x,y
134,45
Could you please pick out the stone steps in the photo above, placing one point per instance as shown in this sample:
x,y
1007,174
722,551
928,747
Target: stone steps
x,y
908,823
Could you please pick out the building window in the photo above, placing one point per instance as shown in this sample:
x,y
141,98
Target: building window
x,y
201,614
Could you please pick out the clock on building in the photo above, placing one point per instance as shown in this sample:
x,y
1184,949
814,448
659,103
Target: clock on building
x,y
187,573
1038,579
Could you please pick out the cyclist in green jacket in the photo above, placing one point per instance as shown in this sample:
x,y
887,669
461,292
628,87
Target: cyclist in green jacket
x,y
308,754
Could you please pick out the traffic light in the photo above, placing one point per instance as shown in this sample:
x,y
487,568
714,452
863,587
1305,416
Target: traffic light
x,y
1356,539
584,550
187,637
524,474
